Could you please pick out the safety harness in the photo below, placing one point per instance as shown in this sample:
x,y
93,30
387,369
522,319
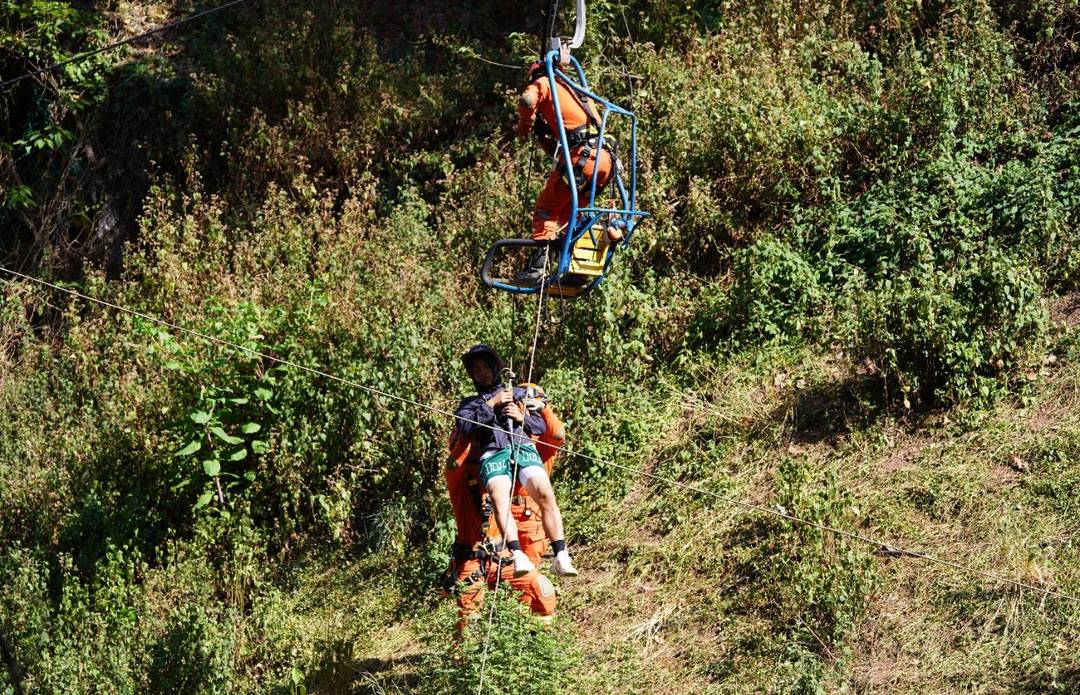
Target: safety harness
x,y
588,138
484,550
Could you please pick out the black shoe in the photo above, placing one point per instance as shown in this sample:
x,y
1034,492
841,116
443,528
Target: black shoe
x,y
533,271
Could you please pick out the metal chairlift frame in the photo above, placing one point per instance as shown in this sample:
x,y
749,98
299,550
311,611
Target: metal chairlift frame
x,y
583,220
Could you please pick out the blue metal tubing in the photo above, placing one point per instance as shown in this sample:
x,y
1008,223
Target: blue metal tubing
x,y
596,160
584,88
569,238
564,145
631,215
514,288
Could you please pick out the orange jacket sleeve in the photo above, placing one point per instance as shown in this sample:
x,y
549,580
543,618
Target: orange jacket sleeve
x,y
528,104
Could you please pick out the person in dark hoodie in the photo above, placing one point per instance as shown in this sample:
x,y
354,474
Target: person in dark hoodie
x,y
499,425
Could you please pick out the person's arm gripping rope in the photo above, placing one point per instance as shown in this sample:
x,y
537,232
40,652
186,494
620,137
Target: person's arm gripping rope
x,y
527,106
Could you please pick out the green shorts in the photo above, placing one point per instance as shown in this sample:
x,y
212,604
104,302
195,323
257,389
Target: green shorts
x,y
497,463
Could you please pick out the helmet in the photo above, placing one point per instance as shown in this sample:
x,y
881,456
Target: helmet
x,y
486,353
536,70
535,398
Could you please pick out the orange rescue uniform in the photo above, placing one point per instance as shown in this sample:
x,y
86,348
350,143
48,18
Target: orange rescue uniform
x,y
552,211
462,475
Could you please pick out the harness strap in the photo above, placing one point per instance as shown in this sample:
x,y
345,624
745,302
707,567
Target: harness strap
x,y
484,551
588,151
580,135
585,104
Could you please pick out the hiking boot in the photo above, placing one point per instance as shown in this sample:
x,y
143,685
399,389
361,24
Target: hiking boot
x,y
533,271
562,565
522,564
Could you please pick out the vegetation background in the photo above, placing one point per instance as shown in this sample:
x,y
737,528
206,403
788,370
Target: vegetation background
x,y
856,301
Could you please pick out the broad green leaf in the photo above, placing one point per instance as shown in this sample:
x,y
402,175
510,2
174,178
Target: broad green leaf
x,y
250,475
263,394
204,499
259,446
172,365
238,401
251,428
190,449
238,455
225,437
212,467
200,417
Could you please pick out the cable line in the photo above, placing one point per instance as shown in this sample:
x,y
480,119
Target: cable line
x,y
131,39
888,548
528,379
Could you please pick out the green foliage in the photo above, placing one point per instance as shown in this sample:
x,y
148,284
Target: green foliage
x,y
953,337
41,136
819,583
516,652
224,427
935,299
898,180
774,294
1057,475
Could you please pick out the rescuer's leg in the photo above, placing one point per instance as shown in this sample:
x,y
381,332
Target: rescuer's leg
x,y
552,207
535,590
549,217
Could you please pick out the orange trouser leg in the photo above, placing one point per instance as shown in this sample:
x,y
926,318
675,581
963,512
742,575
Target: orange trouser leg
x,y
552,211
534,589
470,598
532,537
601,179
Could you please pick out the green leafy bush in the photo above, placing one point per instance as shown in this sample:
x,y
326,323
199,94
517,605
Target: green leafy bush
x,y
774,293
952,335
819,583
933,297
516,653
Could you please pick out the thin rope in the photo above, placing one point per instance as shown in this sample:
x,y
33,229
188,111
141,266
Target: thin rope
x,y
523,188
513,479
131,39
482,59
493,608
539,315
491,619
890,549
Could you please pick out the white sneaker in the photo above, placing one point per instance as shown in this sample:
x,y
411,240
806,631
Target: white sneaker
x,y
562,565
522,564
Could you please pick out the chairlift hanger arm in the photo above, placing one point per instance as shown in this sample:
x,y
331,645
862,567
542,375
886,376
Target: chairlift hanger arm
x,y
550,40
579,25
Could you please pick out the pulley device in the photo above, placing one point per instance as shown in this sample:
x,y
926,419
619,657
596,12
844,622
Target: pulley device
x,y
602,218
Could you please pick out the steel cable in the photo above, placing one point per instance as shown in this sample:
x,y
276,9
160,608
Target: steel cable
x,y
892,550
131,39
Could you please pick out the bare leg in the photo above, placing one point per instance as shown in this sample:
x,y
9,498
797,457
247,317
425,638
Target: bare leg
x,y
499,490
539,488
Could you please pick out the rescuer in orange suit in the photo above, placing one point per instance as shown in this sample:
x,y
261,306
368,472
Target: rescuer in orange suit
x,y
552,211
471,563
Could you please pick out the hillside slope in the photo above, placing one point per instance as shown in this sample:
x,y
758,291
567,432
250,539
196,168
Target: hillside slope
x,y
855,303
